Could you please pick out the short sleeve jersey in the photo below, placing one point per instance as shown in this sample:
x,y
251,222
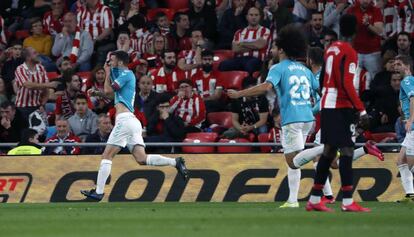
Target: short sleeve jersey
x,y
406,92
123,81
294,84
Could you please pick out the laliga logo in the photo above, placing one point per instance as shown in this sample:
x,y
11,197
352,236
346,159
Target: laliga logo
x,y
14,186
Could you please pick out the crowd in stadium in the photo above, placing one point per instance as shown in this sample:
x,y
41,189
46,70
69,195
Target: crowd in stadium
x,y
185,54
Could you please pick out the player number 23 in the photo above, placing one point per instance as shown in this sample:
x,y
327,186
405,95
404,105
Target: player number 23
x,y
300,87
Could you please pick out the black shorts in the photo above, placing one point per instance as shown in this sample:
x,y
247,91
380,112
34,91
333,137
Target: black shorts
x,y
338,127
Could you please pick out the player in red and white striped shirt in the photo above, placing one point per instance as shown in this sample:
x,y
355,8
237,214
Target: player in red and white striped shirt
x,y
53,20
189,106
97,19
31,83
166,78
3,40
191,59
250,45
206,82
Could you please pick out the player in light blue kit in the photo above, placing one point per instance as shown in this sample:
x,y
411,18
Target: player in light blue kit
x,y
294,84
127,131
405,163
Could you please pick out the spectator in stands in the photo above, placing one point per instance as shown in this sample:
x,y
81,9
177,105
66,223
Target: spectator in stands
x,y
367,41
31,83
333,12
189,106
301,10
84,121
63,135
385,109
189,60
131,9
330,37
233,19
12,123
276,16
315,31
404,43
390,17
203,16
163,126
206,83
28,144
140,68
3,39
250,45
64,65
4,94
97,19
9,67
101,135
74,43
181,33
141,38
53,19
249,114
99,100
162,24
64,102
153,55
123,43
166,78
146,97
405,16
41,42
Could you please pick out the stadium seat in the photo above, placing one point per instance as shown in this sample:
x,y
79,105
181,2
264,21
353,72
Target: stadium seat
x,y
220,56
84,75
379,137
197,138
153,12
52,75
177,4
21,34
232,79
223,119
265,137
234,149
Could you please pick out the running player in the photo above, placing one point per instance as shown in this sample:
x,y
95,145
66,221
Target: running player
x,y
404,65
294,83
120,82
339,102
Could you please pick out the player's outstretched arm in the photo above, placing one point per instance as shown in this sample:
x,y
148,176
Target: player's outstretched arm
x,y
252,91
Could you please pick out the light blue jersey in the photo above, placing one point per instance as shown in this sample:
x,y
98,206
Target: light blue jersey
x,y
124,86
317,99
406,92
294,83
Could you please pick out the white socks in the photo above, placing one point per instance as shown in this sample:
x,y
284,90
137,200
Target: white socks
x,y
347,201
294,183
103,174
406,178
307,155
314,199
358,153
327,189
159,160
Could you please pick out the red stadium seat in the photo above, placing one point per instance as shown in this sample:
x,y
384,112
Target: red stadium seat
x,y
232,79
84,75
379,137
52,75
21,34
265,137
221,55
197,138
234,149
153,12
223,119
177,4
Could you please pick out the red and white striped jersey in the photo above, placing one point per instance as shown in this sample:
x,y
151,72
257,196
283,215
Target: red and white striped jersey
x,y
189,58
29,97
249,35
390,15
405,16
95,22
206,86
192,110
141,41
338,91
3,39
52,26
164,82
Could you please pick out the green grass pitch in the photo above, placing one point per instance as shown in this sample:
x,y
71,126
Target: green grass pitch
x,y
200,219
